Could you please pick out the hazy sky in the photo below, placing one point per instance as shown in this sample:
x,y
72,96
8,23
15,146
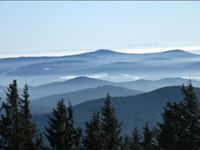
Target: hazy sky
x,y
57,28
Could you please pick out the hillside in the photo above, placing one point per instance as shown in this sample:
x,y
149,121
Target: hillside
x,y
132,111
149,85
80,83
46,104
42,70
65,86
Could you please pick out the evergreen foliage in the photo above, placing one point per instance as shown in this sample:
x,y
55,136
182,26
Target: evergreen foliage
x,y
16,128
28,129
148,138
181,123
110,127
60,132
180,129
93,140
10,120
135,140
125,144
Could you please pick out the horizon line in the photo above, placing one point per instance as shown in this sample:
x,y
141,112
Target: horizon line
x,y
126,51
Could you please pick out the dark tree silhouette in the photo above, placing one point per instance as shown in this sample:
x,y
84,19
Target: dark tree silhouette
x,y
110,127
92,139
60,132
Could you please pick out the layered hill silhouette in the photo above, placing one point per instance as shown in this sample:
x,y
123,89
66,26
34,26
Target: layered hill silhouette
x,y
66,86
40,70
46,104
132,111
81,83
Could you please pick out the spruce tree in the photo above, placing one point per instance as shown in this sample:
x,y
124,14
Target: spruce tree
x,y
10,120
39,144
60,132
125,144
181,123
75,133
28,129
190,119
148,138
135,140
110,127
92,139
5,134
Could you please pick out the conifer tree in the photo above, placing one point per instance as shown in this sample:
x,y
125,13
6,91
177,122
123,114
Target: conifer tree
x,y
75,134
148,138
110,127
135,140
167,136
38,144
1,140
125,145
92,140
60,132
10,128
28,129
181,123
5,134
190,119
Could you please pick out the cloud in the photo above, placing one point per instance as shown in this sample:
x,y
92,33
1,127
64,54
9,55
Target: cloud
x,y
97,76
46,69
122,77
191,77
130,77
68,77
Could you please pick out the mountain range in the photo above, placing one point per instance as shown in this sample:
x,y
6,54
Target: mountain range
x,y
81,83
60,89
102,64
140,84
132,111
46,104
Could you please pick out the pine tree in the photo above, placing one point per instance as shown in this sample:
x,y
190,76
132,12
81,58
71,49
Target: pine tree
x,y
126,143
1,140
28,129
135,140
148,136
190,119
181,123
10,129
92,140
167,140
38,144
5,134
75,133
110,127
60,132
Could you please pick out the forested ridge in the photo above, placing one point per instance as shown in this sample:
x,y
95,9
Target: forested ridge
x,y
179,129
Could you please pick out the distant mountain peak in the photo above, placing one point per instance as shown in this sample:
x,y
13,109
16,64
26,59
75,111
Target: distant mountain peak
x,y
85,79
175,51
105,51
81,78
179,52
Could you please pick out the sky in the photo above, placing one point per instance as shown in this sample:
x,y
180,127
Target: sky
x,y
65,28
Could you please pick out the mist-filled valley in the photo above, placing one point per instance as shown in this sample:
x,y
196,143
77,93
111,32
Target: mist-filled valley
x,y
138,86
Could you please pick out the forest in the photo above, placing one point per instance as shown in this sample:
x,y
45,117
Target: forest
x,y
178,130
